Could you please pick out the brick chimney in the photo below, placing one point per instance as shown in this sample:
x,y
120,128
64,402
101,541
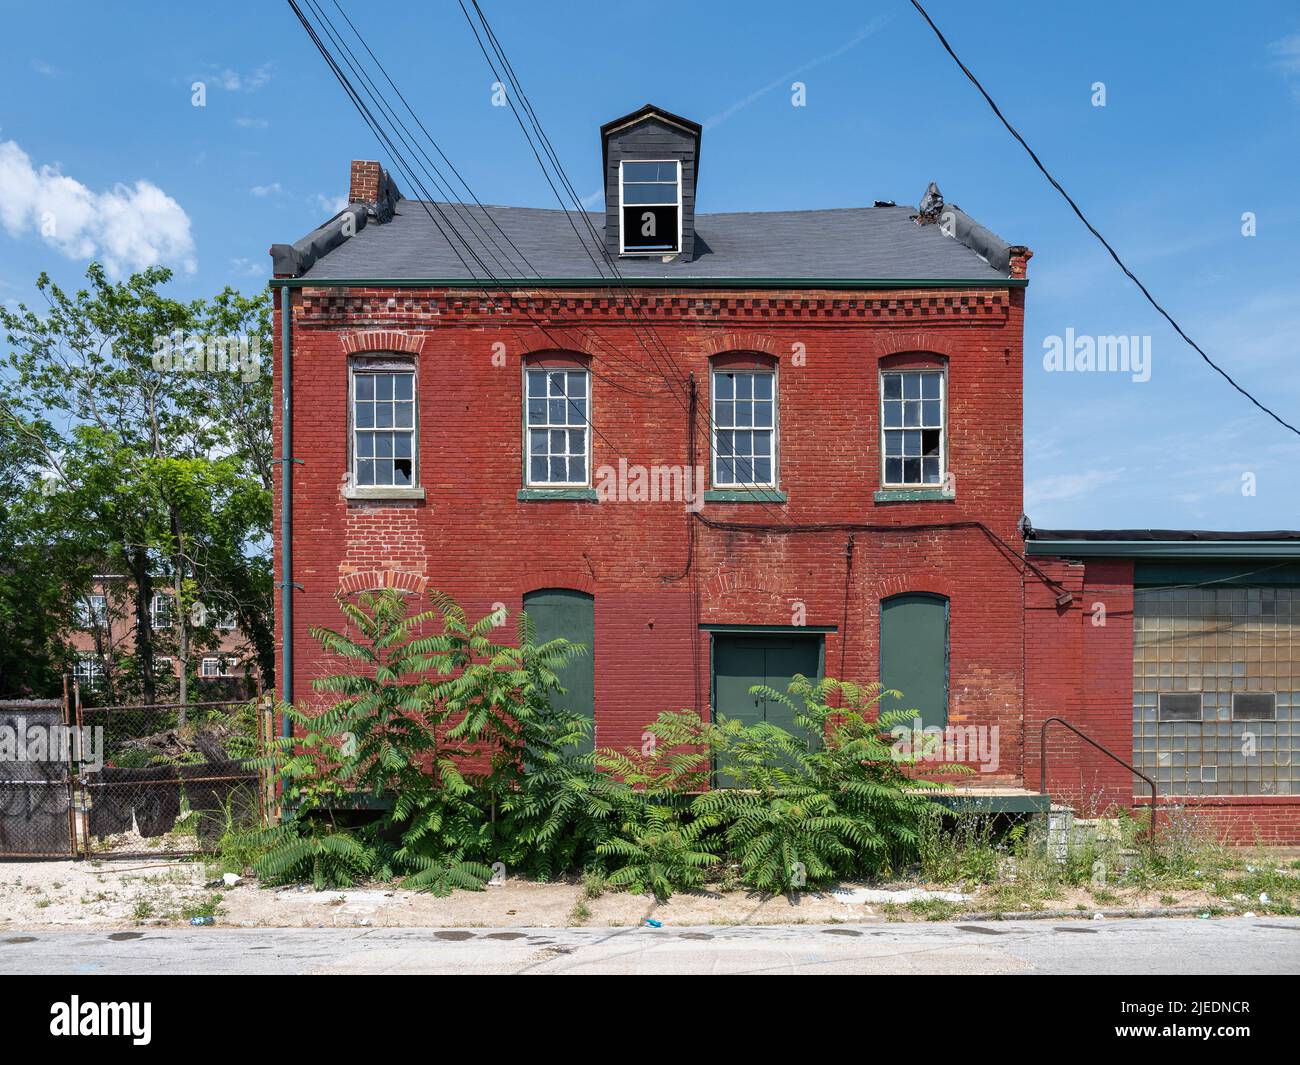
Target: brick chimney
x,y
366,178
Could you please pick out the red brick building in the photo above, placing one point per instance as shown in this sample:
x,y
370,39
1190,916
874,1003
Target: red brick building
x,y
718,449
104,642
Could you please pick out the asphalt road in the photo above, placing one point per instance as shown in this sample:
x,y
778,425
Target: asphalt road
x,y
1114,947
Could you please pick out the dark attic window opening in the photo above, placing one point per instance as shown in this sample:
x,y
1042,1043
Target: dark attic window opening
x,y
651,198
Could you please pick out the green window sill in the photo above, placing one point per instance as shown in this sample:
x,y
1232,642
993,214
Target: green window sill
x,y
914,495
745,495
556,495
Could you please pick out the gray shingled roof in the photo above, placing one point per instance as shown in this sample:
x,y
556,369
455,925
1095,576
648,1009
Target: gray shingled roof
x,y
856,243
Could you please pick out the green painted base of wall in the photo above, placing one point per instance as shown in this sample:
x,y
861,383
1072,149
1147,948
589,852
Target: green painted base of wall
x,y
992,804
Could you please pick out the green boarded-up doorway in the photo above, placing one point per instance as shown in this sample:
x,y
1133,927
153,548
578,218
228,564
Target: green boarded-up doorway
x,y
563,612
914,654
742,660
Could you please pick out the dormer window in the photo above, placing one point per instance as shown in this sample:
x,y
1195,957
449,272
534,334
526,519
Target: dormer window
x,y
650,194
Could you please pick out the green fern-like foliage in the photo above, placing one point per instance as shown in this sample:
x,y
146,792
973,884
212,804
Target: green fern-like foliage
x,y
457,736
294,851
834,799
659,854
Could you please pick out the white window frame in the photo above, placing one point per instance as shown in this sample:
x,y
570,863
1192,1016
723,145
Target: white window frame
x,y
92,611
169,605
88,677
622,241
164,664
528,425
943,429
216,661
226,622
772,372
374,366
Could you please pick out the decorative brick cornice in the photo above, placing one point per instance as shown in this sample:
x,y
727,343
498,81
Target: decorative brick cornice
x,y
399,308
383,340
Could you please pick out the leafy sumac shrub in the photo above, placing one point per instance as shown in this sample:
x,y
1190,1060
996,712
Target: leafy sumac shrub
x,y
455,737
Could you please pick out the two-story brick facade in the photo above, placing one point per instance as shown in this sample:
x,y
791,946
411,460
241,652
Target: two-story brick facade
x,y
720,449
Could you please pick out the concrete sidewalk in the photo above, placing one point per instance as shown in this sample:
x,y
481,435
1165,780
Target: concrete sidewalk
x,y
1112,947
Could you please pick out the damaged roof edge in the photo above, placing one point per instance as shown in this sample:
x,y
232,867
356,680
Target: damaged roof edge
x,y
294,260
981,240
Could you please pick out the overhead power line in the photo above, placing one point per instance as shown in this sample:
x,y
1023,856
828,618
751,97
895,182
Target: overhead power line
x,y
1093,229
511,79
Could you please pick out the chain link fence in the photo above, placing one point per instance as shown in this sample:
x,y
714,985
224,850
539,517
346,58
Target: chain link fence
x,y
36,808
129,781
174,778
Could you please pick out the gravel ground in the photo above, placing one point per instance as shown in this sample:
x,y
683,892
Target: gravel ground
x,y
125,893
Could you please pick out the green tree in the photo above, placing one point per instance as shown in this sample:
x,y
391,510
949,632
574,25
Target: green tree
x,y
158,452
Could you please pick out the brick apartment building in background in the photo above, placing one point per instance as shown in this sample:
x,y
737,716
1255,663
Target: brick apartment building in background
x,y
222,666
510,405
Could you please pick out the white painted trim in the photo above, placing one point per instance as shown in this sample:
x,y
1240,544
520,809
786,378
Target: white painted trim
x,y
622,244
587,424
375,366
942,371
775,456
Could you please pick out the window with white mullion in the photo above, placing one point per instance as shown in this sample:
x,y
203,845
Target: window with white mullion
x,y
912,425
744,429
557,426
383,428
88,670
650,196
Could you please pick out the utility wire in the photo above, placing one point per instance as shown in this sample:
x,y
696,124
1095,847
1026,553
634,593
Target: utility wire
x,y
439,180
1093,229
623,282
402,163
408,172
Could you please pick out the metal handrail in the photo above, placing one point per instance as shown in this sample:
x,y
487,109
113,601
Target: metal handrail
x,y
1042,767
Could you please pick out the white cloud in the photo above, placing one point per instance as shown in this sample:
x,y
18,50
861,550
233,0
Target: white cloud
x,y
1287,50
245,122
272,189
233,81
128,227
248,268
1067,486
330,204
42,67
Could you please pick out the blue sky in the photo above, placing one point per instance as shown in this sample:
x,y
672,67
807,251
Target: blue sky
x,y
1200,126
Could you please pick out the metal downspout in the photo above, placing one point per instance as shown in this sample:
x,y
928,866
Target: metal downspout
x,y
286,503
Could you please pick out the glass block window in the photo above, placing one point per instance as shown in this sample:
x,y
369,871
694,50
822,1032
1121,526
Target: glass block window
x,y
557,428
912,420
1236,650
383,428
744,429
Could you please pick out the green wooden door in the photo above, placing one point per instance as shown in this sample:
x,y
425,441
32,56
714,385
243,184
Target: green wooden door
x,y
741,661
562,612
914,654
